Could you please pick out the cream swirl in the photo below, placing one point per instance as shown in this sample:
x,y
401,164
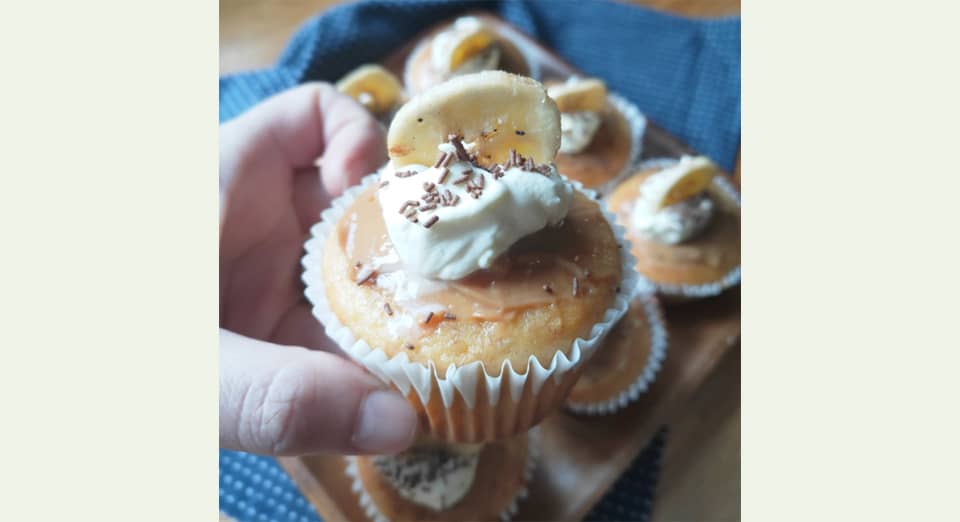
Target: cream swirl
x,y
471,217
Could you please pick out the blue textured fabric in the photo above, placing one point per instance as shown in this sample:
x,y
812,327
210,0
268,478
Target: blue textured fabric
x,y
255,488
631,497
683,75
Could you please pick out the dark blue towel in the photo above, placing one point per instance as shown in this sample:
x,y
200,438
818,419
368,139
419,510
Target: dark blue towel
x,y
683,74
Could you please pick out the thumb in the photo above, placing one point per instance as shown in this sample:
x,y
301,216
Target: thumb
x,y
286,400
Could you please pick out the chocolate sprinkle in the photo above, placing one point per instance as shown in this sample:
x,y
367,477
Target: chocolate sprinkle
x,y
520,133
406,173
440,161
430,315
462,154
428,206
480,181
366,278
408,346
548,289
408,203
432,221
428,186
384,183
386,308
443,175
464,178
449,317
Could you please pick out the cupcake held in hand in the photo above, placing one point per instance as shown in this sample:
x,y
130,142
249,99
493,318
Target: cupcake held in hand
x,y
469,274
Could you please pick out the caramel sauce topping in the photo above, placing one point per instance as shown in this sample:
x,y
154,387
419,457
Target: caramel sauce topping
x,y
558,262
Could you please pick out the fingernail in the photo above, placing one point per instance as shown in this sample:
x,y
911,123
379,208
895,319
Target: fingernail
x,y
387,423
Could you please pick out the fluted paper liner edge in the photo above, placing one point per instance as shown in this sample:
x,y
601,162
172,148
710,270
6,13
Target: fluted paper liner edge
x,y
659,343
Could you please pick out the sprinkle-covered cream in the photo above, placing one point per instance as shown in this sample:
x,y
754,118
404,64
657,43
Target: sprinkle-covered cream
x,y
435,477
453,218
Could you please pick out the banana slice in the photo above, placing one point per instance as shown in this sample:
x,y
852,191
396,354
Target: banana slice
x,y
468,44
494,110
579,95
689,177
466,38
373,86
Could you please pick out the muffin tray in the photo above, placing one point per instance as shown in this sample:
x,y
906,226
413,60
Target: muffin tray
x,y
581,456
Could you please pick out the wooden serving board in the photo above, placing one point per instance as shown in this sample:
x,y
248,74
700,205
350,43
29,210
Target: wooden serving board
x,y
581,456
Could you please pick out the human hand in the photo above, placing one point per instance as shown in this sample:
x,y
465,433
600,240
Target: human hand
x,y
284,386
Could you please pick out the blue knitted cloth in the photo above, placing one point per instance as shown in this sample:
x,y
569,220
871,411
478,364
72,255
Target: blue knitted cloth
x,y
683,75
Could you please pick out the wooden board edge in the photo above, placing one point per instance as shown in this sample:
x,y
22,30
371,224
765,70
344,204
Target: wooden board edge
x,y
666,414
325,505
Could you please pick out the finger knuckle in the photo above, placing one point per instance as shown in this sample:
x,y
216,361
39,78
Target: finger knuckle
x,y
275,417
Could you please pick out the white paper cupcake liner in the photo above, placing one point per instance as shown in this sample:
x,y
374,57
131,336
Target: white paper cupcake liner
x,y
373,512
658,352
730,279
638,125
471,420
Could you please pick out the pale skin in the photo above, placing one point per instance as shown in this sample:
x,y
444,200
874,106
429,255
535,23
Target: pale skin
x,y
285,388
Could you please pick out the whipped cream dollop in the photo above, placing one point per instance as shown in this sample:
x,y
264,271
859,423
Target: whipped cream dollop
x,y
435,477
472,216
445,42
577,130
675,223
